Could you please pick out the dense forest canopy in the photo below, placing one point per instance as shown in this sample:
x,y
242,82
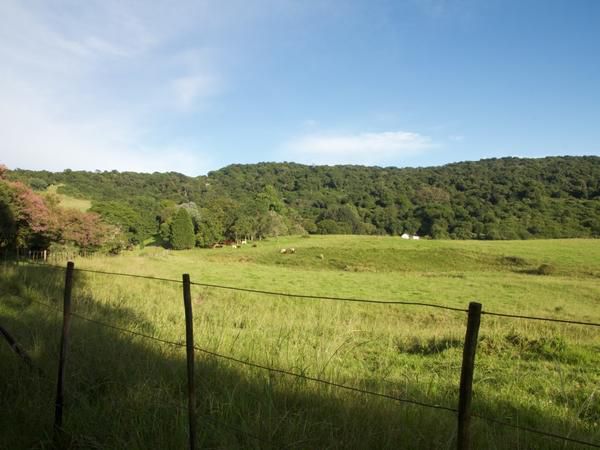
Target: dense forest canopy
x,y
507,198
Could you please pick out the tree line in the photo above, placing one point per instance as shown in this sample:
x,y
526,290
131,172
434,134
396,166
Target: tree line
x,y
505,198
34,221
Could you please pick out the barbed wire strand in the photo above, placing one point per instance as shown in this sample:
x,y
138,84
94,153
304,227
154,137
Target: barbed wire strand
x,y
80,397
324,297
118,274
533,430
280,294
271,369
318,380
58,310
147,277
125,330
548,319
345,299
257,366
73,393
104,324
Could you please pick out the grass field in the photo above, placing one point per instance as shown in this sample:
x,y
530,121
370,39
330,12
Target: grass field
x,y
69,202
127,392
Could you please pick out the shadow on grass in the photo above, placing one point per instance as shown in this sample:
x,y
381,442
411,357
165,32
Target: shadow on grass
x,y
431,346
124,391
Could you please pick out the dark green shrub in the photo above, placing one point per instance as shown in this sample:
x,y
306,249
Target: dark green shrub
x,y
182,231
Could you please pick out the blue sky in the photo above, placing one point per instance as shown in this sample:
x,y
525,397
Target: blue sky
x,y
194,86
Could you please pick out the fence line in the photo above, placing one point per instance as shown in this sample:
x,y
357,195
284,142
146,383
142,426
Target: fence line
x,y
119,274
317,380
324,297
462,445
278,294
251,364
547,319
329,298
64,341
15,347
104,324
533,430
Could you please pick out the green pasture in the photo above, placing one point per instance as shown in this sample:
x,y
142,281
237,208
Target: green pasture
x,y
124,391
68,202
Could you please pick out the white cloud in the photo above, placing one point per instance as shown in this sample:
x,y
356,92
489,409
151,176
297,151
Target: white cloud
x,y
36,137
361,148
76,90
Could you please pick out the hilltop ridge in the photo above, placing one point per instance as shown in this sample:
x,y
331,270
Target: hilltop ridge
x,y
504,198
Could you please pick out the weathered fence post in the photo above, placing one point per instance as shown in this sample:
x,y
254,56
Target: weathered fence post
x,y
64,340
466,377
189,343
15,347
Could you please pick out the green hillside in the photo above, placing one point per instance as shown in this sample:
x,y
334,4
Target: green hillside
x,y
66,201
508,198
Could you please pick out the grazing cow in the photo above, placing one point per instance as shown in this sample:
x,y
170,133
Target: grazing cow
x,y
283,251
292,250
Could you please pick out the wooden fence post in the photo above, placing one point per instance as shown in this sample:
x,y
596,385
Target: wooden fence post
x,y
64,340
466,377
189,343
15,347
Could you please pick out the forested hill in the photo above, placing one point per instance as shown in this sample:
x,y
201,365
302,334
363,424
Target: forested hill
x,y
508,198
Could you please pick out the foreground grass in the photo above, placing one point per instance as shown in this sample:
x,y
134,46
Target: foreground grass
x,y
126,392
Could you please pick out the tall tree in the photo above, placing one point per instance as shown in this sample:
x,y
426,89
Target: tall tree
x,y
182,231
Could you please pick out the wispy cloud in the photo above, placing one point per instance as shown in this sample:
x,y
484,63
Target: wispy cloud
x,y
77,92
360,148
37,137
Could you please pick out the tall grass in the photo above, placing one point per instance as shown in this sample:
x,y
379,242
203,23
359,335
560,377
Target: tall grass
x,y
127,392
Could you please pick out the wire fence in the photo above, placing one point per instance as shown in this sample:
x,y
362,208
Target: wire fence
x,y
328,298
243,362
288,373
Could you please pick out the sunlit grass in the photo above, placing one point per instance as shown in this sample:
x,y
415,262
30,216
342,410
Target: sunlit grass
x,y
68,202
126,392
